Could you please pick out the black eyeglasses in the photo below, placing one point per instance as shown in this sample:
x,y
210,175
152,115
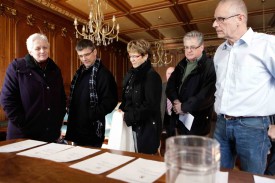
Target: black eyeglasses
x,y
222,19
134,56
85,55
192,48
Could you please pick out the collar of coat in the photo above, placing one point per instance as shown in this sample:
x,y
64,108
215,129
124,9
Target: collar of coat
x,y
201,62
30,62
140,72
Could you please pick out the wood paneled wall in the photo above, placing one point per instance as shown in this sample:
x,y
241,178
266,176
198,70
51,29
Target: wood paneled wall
x,y
19,19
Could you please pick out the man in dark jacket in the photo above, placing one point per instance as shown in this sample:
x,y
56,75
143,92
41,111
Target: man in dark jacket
x,y
191,88
33,95
93,95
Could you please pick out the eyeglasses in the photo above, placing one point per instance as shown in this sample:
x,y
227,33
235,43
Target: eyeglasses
x,y
134,56
192,48
222,19
85,55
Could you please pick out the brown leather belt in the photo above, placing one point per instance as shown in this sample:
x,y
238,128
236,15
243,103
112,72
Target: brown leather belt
x,y
227,117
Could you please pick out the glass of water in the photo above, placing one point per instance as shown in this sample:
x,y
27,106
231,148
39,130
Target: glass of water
x,y
190,158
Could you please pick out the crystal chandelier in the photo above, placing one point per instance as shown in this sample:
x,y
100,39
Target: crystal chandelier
x,y
96,30
160,56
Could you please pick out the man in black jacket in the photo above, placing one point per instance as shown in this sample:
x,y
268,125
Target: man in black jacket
x,y
93,95
191,88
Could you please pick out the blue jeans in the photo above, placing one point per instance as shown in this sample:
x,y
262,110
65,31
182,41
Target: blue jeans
x,y
245,138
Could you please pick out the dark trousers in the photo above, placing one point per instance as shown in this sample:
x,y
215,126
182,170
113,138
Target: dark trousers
x,y
270,170
168,125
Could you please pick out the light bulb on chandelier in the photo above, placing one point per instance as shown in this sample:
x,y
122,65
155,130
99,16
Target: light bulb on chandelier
x,y
96,30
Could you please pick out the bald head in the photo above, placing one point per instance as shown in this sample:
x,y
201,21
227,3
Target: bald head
x,y
169,72
234,6
230,20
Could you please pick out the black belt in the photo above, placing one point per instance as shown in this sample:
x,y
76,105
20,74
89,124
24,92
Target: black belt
x,y
227,117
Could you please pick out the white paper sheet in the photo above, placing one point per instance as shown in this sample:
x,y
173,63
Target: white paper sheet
x,y
259,179
187,120
101,163
19,146
71,154
221,177
140,170
46,150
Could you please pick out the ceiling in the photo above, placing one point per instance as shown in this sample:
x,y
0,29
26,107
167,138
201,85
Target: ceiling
x,y
168,20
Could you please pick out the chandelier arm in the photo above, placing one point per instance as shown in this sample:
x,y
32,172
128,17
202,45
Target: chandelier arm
x,y
160,57
169,61
106,33
80,33
96,30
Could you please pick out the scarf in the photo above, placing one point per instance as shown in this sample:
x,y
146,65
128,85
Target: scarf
x,y
92,84
92,90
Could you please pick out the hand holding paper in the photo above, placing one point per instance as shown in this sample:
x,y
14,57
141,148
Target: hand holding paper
x,y
187,120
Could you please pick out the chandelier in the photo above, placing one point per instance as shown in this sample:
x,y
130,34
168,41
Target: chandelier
x,y
96,30
160,56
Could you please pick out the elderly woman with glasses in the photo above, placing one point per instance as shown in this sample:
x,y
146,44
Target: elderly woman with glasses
x,y
141,97
33,95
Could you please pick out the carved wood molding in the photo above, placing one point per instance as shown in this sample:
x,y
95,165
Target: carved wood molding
x,y
48,26
63,31
6,10
30,20
50,5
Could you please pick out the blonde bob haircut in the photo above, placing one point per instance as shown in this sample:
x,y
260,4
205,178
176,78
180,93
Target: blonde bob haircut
x,y
140,46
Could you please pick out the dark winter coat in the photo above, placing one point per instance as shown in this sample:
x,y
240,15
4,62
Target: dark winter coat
x,y
141,105
33,100
82,118
196,94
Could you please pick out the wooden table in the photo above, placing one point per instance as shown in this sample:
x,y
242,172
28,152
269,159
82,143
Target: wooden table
x,y
15,168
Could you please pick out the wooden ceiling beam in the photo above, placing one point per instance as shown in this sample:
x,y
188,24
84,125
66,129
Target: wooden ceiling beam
x,y
151,7
260,12
272,21
139,20
155,33
120,5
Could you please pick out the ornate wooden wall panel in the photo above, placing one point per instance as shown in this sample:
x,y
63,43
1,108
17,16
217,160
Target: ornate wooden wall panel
x,y
64,56
22,31
19,19
7,53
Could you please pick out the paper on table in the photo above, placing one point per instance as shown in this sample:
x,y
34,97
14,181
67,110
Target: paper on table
x,y
140,170
19,146
259,179
44,151
221,177
71,154
187,120
101,163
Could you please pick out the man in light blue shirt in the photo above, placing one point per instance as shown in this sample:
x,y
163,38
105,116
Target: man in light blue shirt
x,y
245,95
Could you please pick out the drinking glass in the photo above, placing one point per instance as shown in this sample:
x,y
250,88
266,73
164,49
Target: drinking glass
x,y
191,158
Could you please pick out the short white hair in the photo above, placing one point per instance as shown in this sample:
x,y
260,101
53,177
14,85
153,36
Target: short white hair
x,y
33,37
